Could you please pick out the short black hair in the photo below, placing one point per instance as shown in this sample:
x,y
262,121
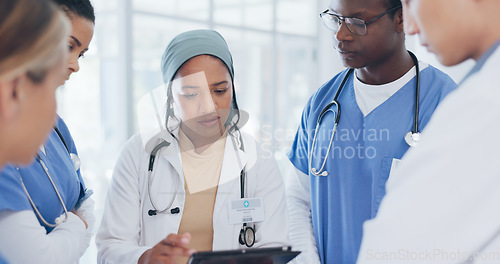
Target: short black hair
x,y
82,8
391,4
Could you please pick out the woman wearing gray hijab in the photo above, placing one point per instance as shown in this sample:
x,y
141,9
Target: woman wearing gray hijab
x,y
200,184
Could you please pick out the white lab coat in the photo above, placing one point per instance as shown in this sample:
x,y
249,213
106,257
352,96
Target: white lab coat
x,y
442,205
127,230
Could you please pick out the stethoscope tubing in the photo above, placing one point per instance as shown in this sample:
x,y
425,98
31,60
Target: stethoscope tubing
x,y
417,93
152,158
46,170
327,108
245,230
45,222
320,172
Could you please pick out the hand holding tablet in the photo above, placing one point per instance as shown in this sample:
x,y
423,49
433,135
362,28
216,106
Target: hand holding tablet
x,y
168,249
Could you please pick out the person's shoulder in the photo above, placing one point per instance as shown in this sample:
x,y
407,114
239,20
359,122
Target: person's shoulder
x,y
251,144
328,89
435,81
137,142
61,125
258,154
65,133
437,75
145,142
248,138
333,83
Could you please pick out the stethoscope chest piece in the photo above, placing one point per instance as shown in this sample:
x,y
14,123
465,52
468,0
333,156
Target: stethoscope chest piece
x,y
247,236
60,219
316,173
76,161
412,138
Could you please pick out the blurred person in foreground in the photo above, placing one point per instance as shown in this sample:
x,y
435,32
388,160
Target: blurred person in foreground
x,y
442,204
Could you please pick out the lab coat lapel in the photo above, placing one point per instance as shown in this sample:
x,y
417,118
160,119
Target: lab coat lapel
x,y
229,183
171,153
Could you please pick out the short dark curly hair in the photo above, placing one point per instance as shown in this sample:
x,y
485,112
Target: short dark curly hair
x,y
82,8
391,4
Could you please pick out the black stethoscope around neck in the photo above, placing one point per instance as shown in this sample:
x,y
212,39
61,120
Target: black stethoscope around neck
x,y
412,137
246,235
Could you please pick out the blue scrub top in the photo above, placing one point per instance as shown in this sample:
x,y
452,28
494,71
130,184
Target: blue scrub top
x,y
68,181
2,260
360,158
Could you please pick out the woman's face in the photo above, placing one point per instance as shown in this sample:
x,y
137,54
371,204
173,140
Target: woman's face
x,y
37,110
81,35
202,93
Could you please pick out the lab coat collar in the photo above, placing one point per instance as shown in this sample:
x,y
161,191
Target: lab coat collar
x,y
171,152
234,160
481,61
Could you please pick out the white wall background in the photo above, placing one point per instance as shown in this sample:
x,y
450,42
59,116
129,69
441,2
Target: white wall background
x,y
281,50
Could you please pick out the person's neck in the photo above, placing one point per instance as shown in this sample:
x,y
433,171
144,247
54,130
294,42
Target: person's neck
x,y
200,142
489,34
389,70
3,155
487,41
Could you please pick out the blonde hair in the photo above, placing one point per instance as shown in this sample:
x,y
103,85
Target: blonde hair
x,y
33,34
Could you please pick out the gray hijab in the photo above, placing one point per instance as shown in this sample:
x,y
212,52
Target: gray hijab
x,y
191,44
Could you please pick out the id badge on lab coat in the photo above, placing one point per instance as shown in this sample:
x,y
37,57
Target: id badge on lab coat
x,y
246,210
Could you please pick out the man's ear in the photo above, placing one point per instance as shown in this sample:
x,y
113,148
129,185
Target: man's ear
x,y
399,21
11,95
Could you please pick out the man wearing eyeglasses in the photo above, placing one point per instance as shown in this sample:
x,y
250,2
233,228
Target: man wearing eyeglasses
x,y
443,205
342,167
